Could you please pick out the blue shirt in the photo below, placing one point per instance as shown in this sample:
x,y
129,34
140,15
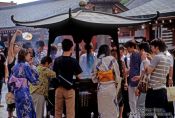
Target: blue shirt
x,y
87,64
135,61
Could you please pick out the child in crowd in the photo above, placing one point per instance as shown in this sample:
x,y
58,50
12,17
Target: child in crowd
x,y
40,91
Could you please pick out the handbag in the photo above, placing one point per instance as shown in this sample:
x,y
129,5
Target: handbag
x,y
170,93
10,98
143,83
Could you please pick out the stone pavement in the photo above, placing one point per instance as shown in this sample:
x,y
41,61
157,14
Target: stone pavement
x,y
3,112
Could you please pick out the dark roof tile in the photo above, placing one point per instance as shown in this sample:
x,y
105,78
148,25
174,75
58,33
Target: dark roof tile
x,y
32,11
151,8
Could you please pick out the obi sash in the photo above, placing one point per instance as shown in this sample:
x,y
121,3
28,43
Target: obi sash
x,y
19,82
105,76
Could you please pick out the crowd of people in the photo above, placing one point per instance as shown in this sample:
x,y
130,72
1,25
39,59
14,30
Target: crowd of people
x,y
28,73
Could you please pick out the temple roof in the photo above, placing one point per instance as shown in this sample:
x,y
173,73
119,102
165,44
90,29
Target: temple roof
x,y
84,17
135,3
35,10
165,7
82,23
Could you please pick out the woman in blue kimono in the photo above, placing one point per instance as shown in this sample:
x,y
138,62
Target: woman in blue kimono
x,y
19,80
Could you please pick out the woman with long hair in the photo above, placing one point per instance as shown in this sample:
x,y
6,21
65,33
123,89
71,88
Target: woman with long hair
x,y
20,77
86,62
106,73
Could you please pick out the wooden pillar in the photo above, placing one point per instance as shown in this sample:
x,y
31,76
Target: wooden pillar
x,y
77,51
157,31
150,36
114,36
52,37
77,83
77,40
49,44
146,32
132,32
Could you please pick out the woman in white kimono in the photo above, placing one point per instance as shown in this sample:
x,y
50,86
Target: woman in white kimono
x,y
106,73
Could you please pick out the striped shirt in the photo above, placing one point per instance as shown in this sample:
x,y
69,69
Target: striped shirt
x,y
161,65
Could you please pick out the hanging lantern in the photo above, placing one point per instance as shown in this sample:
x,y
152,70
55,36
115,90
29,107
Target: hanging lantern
x,y
27,36
143,26
170,21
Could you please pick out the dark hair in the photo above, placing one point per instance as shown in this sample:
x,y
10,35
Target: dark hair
x,y
145,46
46,59
130,44
159,43
21,55
121,48
32,53
67,44
27,45
54,48
88,46
104,49
39,43
114,53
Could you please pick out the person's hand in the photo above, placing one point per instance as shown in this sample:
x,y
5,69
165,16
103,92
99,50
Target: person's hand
x,y
6,80
170,82
144,56
18,32
137,92
149,56
126,86
125,72
136,78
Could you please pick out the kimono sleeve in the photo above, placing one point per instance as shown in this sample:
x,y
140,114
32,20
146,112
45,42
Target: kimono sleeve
x,y
94,73
34,72
29,76
118,79
116,70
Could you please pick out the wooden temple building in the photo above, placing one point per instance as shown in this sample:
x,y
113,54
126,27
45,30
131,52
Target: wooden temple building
x,y
83,25
163,27
46,8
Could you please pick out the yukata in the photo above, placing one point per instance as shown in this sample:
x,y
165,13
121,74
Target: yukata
x,y
107,90
21,75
